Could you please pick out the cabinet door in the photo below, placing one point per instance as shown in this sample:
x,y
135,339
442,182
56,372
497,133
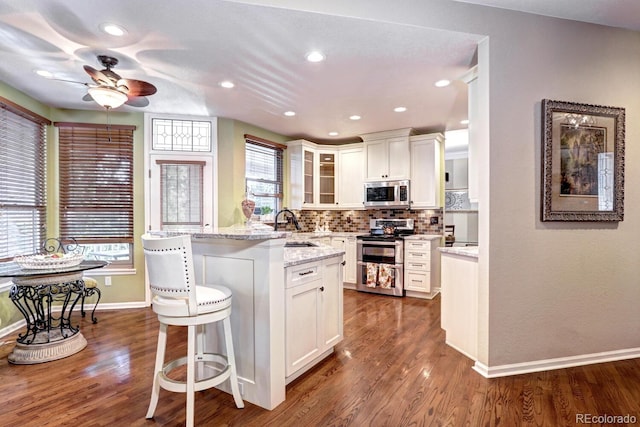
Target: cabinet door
x,y
377,159
302,325
350,178
331,303
326,177
398,155
308,181
426,184
339,243
350,268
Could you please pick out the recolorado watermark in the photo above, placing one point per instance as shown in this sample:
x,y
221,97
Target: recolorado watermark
x,y
605,419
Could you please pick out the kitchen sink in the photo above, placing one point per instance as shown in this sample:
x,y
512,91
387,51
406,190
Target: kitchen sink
x,y
299,245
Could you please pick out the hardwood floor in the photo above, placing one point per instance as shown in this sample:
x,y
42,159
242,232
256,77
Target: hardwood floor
x,y
392,369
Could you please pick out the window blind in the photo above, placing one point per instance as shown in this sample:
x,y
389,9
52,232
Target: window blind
x,y
22,180
263,173
96,182
181,184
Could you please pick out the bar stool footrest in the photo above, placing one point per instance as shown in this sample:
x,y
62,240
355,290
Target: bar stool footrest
x,y
214,361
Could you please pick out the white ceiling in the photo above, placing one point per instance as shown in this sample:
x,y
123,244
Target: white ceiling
x,y
185,51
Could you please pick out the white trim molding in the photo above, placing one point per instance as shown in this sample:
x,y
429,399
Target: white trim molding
x,y
558,363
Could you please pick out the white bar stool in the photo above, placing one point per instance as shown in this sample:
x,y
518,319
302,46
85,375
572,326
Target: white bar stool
x,y
179,301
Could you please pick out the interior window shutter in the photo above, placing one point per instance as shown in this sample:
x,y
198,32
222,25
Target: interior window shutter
x,y
96,182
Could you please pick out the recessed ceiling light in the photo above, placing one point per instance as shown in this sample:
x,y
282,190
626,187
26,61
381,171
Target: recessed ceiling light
x,y
113,29
227,84
464,122
400,109
315,56
43,73
442,83
333,133
355,117
289,113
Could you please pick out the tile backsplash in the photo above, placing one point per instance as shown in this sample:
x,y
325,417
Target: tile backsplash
x,y
425,221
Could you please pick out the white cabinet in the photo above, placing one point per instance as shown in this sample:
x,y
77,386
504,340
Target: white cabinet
x,y
313,313
350,176
312,179
422,268
302,160
427,171
387,155
459,303
349,270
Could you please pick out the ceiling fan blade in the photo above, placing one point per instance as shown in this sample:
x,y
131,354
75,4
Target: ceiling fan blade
x,y
137,87
98,76
137,101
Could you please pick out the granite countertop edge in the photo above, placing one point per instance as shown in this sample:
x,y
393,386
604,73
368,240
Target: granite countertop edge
x,y
465,251
296,256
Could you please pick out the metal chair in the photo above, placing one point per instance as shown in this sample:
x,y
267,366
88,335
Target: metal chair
x,y
178,301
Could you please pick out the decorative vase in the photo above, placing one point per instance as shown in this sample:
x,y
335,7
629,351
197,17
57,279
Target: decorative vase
x,y
247,208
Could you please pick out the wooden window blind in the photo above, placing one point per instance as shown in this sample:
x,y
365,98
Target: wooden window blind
x,y
96,182
263,172
23,192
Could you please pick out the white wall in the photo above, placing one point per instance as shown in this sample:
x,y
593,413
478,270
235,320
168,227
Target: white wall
x,y
548,290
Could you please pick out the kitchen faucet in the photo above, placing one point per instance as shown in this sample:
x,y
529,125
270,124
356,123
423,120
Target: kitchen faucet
x,y
291,215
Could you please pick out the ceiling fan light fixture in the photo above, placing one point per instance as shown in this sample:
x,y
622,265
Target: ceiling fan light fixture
x,y
107,97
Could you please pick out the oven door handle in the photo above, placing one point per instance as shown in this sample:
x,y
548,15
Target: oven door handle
x,y
396,266
379,243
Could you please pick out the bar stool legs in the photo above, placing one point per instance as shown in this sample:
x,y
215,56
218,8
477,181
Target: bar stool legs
x,y
195,360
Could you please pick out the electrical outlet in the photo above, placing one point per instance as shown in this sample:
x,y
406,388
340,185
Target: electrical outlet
x,y
107,280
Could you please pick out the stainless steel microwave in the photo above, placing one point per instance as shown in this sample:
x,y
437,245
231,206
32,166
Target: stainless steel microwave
x,y
387,194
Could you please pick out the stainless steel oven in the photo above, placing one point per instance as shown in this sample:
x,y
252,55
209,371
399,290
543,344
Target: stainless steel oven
x,y
380,257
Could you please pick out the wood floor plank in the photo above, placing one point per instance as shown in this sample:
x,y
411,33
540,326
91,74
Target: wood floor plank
x,y
392,369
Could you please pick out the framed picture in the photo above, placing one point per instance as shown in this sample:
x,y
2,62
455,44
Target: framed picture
x,y
582,162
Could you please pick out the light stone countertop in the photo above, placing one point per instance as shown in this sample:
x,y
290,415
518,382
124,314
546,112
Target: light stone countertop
x,y
295,256
235,233
423,237
466,251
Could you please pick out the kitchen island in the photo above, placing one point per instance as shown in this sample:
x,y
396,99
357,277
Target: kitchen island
x,y
253,264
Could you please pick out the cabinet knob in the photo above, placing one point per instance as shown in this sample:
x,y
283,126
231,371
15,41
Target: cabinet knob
x,y
321,288
343,262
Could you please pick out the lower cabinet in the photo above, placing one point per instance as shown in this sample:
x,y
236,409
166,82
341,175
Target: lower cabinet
x,y
421,268
349,246
313,313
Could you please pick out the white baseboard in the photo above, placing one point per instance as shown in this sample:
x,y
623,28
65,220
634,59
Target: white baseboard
x,y
558,363
9,329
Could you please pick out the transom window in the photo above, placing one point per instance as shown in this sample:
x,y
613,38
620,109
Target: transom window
x,y
181,135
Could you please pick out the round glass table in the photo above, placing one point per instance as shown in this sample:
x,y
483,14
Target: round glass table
x,y
50,334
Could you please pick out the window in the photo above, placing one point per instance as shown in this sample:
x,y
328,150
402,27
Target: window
x,y
181,135
96,188
181,193
22,180
263,173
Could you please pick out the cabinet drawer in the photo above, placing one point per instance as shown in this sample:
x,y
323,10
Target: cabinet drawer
x,y
423,245
303,273
417,256
417,266
416,281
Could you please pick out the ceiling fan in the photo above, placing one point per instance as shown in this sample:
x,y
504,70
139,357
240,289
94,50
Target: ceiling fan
x,y
111,90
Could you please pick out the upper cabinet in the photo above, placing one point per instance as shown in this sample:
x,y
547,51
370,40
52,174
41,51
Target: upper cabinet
x,y
427,171
350,176
312,180
332,177
387,155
